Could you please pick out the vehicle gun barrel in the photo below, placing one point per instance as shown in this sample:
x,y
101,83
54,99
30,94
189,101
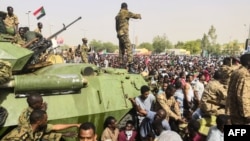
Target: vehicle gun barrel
x,y
64,28
43,44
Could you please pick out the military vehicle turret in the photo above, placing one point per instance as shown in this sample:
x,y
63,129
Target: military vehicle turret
x,y
75,93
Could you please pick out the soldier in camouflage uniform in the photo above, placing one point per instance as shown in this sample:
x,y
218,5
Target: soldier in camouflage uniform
x,y
5,76
29,36
84,49
230,64
19,38
11,21
35,129
39,28
122,29
35,102
238,99
5,71
213,100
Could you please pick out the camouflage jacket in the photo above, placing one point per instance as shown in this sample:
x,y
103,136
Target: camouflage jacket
x,y
24,117
25,133
170,105
227,72
122,21
19,40
24,120
84,48
5,71
238,99
213,99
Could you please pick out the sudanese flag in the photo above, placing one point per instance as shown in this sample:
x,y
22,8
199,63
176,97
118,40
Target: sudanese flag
x,y
39,13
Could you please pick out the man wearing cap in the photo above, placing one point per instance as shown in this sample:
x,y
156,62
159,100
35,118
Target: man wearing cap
x,y
85,49
122,29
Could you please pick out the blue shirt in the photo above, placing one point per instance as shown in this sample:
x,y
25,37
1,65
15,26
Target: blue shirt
x,y
146,125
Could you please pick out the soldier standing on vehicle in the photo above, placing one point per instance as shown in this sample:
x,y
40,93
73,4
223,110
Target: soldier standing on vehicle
x,y
39,28
122,29
11,21
85,49
30,37
19,38
238,99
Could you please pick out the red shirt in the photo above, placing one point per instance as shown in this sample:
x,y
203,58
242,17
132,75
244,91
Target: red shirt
x,y
198,137
123,137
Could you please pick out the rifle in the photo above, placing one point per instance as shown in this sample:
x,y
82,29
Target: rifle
x,y
64,28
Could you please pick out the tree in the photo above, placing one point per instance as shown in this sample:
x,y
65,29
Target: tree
x,y
212,35
179,45
193,46
208,43
160,43
204,42
213,47
99,46
96,45
147,46
232,48
110,47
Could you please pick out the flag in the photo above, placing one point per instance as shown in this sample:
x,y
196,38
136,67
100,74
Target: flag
x,y
39,13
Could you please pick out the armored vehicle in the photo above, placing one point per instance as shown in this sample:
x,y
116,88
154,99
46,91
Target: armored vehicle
x,y
75,93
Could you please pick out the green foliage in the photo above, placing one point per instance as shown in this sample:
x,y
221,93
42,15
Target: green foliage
x,y
204,42
193,46
148,46
232,48
209,44
179,45
212,35
160,43
109,46
99,46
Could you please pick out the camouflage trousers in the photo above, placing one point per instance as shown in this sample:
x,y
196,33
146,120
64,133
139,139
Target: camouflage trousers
x,y
84,57
125,46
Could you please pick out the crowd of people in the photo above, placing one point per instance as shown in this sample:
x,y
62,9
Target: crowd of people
x,y
182,95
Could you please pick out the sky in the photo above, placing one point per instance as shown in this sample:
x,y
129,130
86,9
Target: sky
x,y
178,20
